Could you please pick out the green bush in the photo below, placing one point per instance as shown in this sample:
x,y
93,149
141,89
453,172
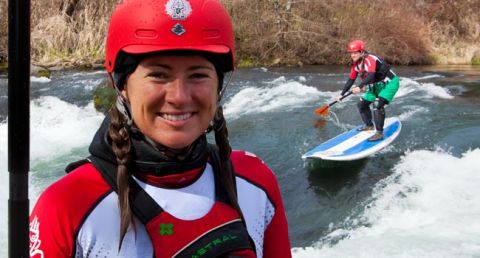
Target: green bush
x,y
476,58
104,98
3,67
43,73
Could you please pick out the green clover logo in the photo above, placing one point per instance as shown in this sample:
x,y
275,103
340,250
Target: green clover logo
x,y
166,229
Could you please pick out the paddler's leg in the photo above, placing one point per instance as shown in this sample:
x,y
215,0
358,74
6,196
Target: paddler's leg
x,y
378,118
379,113
385,96
365,112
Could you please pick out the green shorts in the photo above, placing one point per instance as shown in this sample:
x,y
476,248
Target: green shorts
x,y
382,89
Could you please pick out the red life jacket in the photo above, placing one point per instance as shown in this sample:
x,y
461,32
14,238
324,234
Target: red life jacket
x,y
220,233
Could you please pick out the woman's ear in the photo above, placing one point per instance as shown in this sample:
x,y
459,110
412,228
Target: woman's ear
x,y
124,93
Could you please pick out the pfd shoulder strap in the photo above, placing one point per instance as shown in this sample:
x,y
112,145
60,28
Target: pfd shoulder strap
x,y
142,204
220,191
383,71
72,166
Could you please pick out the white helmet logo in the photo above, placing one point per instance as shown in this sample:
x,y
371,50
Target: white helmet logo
x,y
178,9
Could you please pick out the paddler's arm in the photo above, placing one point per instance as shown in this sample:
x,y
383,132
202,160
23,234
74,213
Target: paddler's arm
x,y
366,80
349,83
347,86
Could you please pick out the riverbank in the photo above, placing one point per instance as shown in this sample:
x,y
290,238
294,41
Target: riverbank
x,y
71,34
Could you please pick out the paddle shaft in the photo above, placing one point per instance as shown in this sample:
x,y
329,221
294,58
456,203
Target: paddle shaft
x,y
18,127
323,111
344,96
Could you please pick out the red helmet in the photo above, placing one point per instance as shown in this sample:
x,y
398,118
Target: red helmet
x,y
356,46
146,26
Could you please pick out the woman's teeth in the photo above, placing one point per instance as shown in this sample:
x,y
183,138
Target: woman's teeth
x,y
176,117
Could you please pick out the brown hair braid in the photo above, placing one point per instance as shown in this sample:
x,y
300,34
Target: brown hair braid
x,y
224,149
121,146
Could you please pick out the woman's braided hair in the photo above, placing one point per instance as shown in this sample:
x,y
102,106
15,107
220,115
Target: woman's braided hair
x,y
224,150
121,146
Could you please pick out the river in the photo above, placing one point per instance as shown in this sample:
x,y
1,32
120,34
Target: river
x,y
419,197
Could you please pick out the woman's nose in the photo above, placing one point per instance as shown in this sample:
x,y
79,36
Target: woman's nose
x,y
178,92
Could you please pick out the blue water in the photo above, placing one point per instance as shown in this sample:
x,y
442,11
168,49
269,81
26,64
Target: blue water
x,y
419,197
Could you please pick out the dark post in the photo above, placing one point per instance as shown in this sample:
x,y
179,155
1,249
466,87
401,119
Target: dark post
x,y
18,126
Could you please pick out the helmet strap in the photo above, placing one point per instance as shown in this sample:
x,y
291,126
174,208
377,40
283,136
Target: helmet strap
x,y
124,107
216,121
225,86
121,103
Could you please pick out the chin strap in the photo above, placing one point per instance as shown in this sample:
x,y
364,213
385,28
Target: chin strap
x,y
217,122
124,107
121,103
224,88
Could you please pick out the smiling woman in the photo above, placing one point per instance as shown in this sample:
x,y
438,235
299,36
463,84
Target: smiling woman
x,y
173,98
153,186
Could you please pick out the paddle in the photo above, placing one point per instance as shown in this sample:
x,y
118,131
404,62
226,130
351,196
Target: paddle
x,y
323,111
18,127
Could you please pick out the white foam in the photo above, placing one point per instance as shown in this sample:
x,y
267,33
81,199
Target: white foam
x,y
425,77
429,207
412,110
284,95
85,74
56,128
430,90
3,192
292,94
40,79
435,91
279,80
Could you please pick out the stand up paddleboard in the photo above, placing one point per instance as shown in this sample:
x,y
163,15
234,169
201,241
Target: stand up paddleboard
x,y
353,145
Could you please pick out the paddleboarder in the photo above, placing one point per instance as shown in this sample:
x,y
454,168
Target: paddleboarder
x,y
379,83
153,186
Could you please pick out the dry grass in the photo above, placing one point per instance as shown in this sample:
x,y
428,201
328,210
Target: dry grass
x,y
317,32
279,32
70,38
3,31
456,30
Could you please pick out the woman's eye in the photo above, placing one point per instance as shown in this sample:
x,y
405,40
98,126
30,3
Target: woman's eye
x,y
157,75
199,75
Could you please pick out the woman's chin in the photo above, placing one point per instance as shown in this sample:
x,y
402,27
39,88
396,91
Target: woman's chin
x,y
175,140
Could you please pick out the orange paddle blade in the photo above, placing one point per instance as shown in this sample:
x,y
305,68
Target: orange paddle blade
x,y
322,111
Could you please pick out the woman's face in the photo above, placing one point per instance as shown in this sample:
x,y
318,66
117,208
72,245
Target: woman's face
x,y
355,55
173,98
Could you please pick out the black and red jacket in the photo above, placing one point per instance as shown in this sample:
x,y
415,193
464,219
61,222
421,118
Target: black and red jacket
x,y
185,216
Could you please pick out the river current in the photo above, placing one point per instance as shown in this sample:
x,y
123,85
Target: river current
x,y
419,197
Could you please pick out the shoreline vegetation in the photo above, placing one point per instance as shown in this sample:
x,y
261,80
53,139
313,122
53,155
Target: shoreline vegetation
x,y
71,33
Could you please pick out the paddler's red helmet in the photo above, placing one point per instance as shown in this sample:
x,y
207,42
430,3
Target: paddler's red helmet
x,y
146,26
356,46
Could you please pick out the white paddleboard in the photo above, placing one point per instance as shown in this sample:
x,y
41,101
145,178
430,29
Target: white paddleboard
x,y
353,145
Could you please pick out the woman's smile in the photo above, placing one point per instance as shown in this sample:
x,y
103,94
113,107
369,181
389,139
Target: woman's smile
x,y
175,117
